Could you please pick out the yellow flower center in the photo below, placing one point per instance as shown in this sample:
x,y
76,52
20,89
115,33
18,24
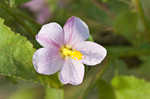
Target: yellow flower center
x,y
67,51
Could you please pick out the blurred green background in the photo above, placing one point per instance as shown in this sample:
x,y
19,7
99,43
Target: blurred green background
x,y
121,26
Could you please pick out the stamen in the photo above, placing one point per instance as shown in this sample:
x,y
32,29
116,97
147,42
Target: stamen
x,y
69,52
76,55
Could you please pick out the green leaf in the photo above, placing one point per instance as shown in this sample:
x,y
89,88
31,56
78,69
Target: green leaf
x,y
53,93
16,58
129,87
16,54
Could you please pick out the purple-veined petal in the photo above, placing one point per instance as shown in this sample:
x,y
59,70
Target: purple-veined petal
x,y
72,72
47,61
75,31
93,53
51,35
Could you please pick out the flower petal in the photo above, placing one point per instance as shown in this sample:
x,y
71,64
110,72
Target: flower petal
x,y
75,30
35,5
92,52
43,15
47,61
51,35
72,72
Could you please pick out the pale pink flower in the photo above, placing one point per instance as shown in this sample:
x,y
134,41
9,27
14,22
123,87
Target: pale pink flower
x,y
40,9
66,50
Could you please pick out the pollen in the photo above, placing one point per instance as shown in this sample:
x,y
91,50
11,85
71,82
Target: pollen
x,y
67,51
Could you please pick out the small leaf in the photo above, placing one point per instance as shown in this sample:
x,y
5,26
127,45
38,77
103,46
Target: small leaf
x,y
129,87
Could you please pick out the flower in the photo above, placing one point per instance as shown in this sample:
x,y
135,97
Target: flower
x,y
66,50
40,8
